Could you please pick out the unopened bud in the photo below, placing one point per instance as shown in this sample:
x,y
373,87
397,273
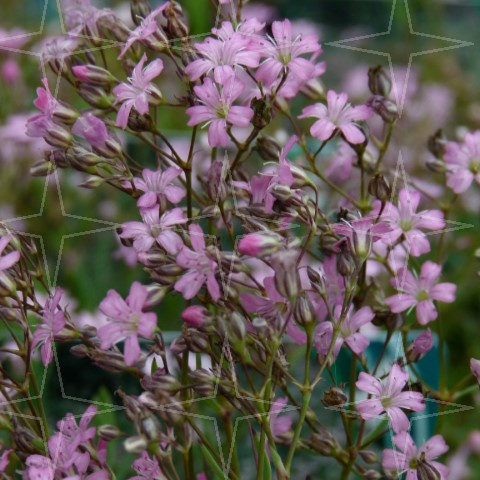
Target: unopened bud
x,y
95,96
79,351
58,136
136,444
379,188
260,244
372,475
436,165
195,316
368,456
378,81
303,311
426,471
155,295
109,432
385,108
41,168
268,148
93,74
92,182
216,187
64,114
176,27
203,381
261,113
323,442
334,397
436,143
139,10
420,346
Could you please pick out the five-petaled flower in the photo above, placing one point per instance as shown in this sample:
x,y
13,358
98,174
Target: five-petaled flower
x,y
418,463
139,92
337,114
53,320
199,265
217,109
389,398
420,292
126,321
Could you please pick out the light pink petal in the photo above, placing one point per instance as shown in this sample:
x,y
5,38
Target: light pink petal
x,y
444,292
369,384
434,447
131,350
352,133
398,419
196,237
369,409
9,260
400,302
426,312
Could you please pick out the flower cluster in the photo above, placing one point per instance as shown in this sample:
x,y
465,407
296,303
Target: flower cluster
x,y
270,254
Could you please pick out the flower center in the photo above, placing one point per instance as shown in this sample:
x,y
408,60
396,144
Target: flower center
x,y
386,402
475,166
422,295
222,110
405,224
413,464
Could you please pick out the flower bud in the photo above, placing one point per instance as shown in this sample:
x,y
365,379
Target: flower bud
x,y
435,165
93,74
268,148
286,277
475,368
42,169
139,10
334,397
378,81
79,351
385,108
95,95
379,188
372,475
58,136
136,444
155,295
260,244
261,113
345,263
195,316
436,143
92,182
109,432
368,456
323,442
176,27
64,114
216,186
303,311
204,382
420,346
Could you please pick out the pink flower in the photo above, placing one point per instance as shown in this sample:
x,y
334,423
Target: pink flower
x,y
10,259
147,468
349,332
420,292
155,229
139,92
274,308
4,461
94,131
195,315
341,164
145,30
223,57
423,343
462,161
53,320
389,398
285,51
126,321
417,462
39,468
404,220
64,445
200,267
280,425
217,109
475,368
158,187
259,244
338,114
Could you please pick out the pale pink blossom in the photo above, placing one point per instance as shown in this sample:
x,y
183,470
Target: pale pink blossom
x,y
280,424
139,92
475,368
155,228
462,162
53,320
147,468
284,51
420,292
199,265
405,220
158,187
417,462
337,114
126,321
389,397
350,333
217,109
10,259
